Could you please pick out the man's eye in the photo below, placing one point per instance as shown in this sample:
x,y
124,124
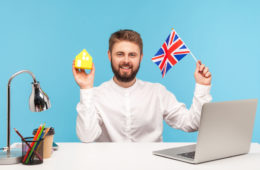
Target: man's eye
x,y
119,54
132,55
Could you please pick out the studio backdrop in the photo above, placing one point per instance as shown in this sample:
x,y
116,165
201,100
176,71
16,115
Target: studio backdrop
x,y
45,36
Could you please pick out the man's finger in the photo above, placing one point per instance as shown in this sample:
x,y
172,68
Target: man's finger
x,y
206,69
93,69
202,66
73,68
208,74
198,65
82,70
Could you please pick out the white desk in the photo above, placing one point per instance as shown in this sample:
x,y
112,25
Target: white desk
x,y
132,156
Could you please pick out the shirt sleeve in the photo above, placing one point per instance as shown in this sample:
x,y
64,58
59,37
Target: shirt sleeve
x,y
88,126
177,115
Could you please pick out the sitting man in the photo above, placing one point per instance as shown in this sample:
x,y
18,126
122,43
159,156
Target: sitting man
x,y
126,109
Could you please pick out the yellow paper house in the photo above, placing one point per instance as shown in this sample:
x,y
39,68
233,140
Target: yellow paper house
x,y
83,60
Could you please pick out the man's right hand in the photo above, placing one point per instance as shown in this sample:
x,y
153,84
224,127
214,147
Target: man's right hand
x,y
84,80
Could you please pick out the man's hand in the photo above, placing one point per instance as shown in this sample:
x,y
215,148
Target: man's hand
x,y
84,80
202,74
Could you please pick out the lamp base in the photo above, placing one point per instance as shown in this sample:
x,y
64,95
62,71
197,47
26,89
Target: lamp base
x,y
13,156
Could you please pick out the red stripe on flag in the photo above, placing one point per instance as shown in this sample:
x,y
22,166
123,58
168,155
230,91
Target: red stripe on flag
x,y
154,58
172,60
164,70
173,34
182,52
168,56
162,63
165,57
175,46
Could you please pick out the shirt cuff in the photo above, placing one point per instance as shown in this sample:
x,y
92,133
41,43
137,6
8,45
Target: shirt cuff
x,y
86,95
202,89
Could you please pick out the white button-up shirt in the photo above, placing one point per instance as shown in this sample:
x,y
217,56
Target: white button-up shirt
x,y
110,113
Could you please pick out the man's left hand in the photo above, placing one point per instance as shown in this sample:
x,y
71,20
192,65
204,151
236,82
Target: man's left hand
x,y
202,74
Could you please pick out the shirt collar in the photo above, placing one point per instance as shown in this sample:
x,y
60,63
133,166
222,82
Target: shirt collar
x,y
123,89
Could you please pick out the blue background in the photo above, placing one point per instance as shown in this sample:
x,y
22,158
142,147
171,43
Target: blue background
x,y
45,36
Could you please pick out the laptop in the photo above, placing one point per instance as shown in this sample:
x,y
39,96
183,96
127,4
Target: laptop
x,y
225,130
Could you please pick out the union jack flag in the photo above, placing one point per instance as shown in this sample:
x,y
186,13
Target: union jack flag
x,y
171,52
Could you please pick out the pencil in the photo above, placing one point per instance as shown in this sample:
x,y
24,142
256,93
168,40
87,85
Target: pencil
x,y
36,153
34,138
45,133
37,138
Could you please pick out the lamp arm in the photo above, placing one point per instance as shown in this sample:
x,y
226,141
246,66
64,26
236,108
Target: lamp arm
x,y
8,101
20,72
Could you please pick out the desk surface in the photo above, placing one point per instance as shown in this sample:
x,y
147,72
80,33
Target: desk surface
x,y
132,156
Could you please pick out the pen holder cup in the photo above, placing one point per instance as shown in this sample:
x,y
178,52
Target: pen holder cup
x,y
34,154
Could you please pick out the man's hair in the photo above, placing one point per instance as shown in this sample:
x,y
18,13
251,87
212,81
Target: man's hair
x,y
127,35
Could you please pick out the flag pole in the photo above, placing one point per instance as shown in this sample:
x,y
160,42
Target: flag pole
x,y
196,60
193,57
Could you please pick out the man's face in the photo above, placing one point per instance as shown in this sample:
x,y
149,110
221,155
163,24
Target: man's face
x,y
125,60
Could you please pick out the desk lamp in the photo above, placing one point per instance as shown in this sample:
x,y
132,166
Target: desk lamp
x,y
38,101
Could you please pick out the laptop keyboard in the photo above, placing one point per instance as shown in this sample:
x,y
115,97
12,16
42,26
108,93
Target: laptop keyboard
x,y
188,154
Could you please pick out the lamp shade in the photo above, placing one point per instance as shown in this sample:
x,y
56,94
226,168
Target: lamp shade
x,y
39,100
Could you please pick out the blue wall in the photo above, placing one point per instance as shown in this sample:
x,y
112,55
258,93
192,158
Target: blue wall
x,y
45,36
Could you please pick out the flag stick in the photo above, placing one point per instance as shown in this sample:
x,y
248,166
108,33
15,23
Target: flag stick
x,y
196,60
193,57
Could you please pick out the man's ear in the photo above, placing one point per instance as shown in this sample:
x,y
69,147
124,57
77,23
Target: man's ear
x,y
141,57
109,55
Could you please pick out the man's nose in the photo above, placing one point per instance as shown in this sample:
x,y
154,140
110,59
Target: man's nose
x,y
126,59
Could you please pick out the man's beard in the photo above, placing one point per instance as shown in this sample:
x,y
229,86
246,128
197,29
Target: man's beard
x,y
125,77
